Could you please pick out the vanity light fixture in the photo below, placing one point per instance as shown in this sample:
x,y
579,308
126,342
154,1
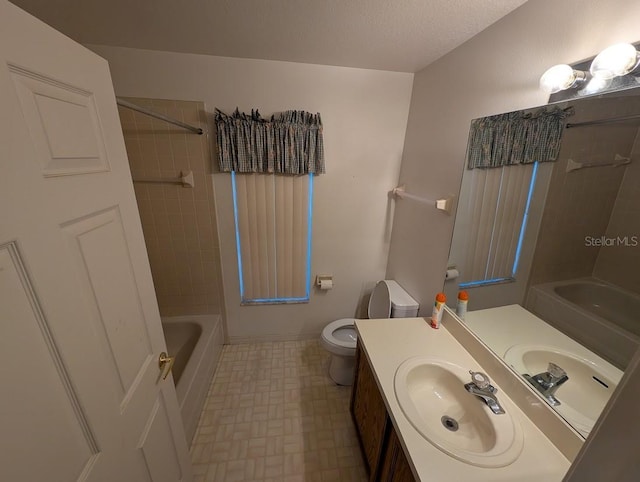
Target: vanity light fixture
x,y
615,61
561,77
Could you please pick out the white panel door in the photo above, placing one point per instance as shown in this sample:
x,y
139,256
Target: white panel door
x,y
82,396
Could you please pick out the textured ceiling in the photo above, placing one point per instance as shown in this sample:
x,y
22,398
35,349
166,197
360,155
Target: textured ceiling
x,y
399,35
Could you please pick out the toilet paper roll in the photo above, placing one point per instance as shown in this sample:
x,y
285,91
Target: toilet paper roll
x,y
452,274
326,284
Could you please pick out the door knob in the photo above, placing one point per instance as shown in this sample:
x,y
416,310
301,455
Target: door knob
x,y
163,361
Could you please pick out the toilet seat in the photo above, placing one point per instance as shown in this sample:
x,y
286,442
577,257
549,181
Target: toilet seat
x,y
340,343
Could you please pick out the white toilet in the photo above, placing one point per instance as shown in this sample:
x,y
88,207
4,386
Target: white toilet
x,y
388,300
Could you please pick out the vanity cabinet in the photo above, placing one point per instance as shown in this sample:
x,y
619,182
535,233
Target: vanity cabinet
x,y
383,453
395,466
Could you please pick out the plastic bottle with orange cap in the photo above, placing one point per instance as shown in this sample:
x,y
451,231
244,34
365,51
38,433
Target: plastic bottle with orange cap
x,y
438,308
461,307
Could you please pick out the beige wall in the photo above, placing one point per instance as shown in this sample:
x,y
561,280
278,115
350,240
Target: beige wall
x,y
580,203
496,71
619,264
179,223
364,114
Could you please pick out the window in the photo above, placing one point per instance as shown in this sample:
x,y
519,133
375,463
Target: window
x,y
273,217
498,209
272,199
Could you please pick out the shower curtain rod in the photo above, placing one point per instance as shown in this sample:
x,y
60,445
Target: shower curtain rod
x,y
603,121
151,113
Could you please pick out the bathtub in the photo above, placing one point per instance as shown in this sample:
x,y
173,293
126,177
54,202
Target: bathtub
x,y
599,315
196,342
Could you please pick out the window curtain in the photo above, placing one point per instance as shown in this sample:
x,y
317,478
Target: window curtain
x,y
516,138
273,222
287,143
496,208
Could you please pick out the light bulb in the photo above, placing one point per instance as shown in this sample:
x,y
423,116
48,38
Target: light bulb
x,y
614,61
596,84
560,77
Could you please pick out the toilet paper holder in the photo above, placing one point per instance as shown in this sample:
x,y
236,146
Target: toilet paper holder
x,y
451,273
324,281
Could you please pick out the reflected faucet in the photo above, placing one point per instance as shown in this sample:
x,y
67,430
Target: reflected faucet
x,y
480,386
548,382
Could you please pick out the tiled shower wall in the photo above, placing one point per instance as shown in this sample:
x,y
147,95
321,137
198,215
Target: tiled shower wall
x,y
179,223
620,263
580,203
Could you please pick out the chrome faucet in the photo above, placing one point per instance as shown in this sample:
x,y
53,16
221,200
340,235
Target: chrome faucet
x,y
480,386
548,382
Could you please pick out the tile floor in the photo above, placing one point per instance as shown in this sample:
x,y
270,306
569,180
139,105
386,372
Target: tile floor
x,y
273,414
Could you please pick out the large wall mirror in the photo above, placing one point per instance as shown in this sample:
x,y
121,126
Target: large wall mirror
x,y
566,315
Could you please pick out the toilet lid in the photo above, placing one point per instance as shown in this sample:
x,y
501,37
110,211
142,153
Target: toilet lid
x,y
380,302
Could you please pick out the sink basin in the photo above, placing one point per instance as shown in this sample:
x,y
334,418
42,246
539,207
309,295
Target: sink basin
x,y
584,395
432,396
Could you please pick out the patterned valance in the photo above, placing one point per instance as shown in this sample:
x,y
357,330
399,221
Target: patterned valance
x,y
516,138
287,143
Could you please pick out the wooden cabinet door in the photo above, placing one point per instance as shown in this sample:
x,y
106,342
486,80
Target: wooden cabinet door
x,y
395,466
369,413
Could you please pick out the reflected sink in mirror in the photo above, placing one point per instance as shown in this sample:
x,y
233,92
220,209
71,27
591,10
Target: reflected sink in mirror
x,y
583,396
432,396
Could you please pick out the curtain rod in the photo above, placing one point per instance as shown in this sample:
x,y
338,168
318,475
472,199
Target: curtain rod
x,y
603,121
151,113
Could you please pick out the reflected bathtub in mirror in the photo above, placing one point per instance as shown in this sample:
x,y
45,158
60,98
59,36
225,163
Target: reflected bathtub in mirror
x,y
594,313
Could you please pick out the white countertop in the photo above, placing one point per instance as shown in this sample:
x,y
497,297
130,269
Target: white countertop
x,y
387,343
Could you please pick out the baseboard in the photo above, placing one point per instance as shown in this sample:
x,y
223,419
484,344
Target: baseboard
x,y
236,340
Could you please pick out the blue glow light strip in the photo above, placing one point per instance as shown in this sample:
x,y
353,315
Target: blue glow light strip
x,y
277,300
235,218
309,224
523,227
471,284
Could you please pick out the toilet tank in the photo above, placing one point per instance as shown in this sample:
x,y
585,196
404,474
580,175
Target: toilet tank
x,y
390,300
402,304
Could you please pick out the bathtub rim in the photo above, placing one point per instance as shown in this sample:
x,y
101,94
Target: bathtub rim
x,y
208,325
606,339
549,289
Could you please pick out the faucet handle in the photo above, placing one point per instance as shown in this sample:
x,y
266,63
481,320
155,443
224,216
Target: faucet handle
x,y
555,371
480,380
